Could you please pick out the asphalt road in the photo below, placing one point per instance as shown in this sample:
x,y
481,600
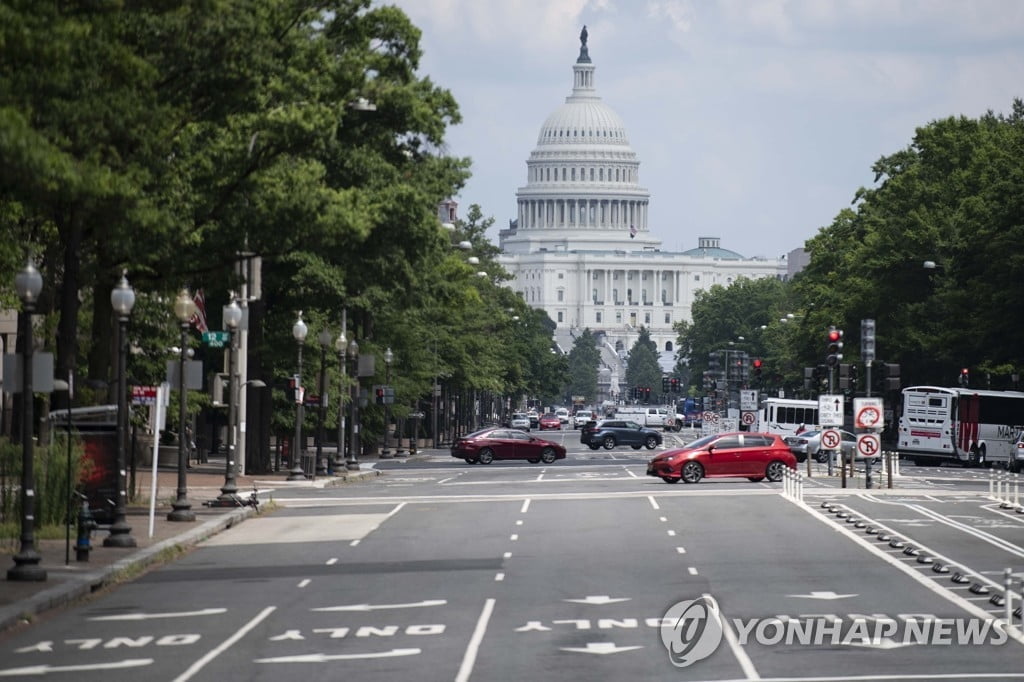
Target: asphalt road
x,y
439,570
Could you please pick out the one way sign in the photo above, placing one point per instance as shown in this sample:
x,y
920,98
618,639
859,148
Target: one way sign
x,y
830,410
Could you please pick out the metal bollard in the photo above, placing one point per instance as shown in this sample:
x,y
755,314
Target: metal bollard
x,y
1008,592
991,484
86,525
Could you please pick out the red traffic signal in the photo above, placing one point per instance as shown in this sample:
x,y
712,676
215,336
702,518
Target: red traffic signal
x,y
757,363
834,335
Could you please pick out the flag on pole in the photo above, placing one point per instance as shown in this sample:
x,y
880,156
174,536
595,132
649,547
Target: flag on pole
x,y
198,319
632,231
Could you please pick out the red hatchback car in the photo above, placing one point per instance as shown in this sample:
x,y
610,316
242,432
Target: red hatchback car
x,y
490,444
755,456
550,422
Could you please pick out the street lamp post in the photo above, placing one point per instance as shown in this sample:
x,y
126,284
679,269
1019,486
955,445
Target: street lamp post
x,y
388,357
122,298
299,331
340,346
322,467
232,316
353,449
28,284
184,307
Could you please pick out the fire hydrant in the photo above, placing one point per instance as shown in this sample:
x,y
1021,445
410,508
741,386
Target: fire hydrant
x,y
86,525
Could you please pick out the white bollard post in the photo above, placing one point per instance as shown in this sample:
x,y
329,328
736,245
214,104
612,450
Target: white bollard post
x,y
991,484
799,486
1008,587
1016,490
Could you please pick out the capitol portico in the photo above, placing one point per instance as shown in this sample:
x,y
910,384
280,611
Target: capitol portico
x,y
580,246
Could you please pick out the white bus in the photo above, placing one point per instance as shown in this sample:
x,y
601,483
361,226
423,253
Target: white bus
x,y
784,416
965,425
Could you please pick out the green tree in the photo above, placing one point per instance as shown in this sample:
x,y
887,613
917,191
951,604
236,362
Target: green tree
x,y
642,366
583,362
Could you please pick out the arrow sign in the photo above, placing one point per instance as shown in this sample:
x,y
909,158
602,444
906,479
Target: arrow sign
x,y
598,599
379,607
324,658
47,669
822,595
601,648
149,616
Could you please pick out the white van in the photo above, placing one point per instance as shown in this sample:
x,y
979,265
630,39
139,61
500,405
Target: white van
x,y
563,415
646,415
582,417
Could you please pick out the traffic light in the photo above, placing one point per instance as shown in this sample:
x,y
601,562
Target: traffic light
x,y
758,365
379,393
647,394
674,385
844,376
867,340
835,346
810,377
664,385
854,371
892,376
965,377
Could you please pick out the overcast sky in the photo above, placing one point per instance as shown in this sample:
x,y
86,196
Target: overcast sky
x,y
754,120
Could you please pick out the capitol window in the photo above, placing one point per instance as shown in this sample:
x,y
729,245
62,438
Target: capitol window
x,y
574,175
561,295
598,316
560,317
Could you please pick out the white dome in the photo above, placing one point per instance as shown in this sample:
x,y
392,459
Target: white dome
x,y
583,121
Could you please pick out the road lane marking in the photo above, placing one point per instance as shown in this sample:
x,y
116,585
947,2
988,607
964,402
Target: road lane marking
x,y
304,583
741,656
46,669
151,616
680,550
514,537
692,570
196,667
654,502
506,555
498,577
325,658
525,507
671,533
469,658
380,607
331,562
519,522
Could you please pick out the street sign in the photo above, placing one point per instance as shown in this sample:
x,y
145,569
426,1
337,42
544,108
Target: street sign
x,y
748,418
216,339
830,410
710,417
748,401
868,413
143,395
830,439
868,444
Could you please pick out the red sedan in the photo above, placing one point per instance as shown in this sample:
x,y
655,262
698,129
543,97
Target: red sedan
x,y
550,422
490,444
755,456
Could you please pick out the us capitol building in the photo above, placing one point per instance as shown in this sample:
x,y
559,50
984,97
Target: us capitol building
x,y
580,247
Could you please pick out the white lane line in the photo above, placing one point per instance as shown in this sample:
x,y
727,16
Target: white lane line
x,y
912,571
1002,544
630,472
469,659
692,570
445,480
303,583
526,506
663,519
519,522
671,533
394,511
224,646
680,550
506,555
741,656
331,562
353,543
498,577
514,537
654,502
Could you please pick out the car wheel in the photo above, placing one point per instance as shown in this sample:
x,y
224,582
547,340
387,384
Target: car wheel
x,y
608,442
594,446
547,455
669,479
533,460
755,479
486,456
635,447
651,442
1013,466
692,472
774,471
820,456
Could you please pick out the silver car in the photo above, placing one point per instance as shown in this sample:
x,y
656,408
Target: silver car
x,y
520,420
808,443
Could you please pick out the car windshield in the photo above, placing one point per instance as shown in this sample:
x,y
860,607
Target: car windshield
x,y
809,434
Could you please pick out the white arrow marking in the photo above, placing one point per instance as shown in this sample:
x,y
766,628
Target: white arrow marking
x,y
377,607
879,644
822,595
598,599
47,669
601,648
324,658
148,616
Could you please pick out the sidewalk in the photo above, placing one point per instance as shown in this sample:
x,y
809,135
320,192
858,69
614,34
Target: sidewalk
x,y
67,582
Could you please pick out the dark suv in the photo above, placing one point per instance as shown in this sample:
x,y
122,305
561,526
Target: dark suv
x,y
611,432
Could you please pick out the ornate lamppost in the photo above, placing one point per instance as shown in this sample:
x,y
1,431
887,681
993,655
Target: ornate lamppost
x,y
299,331
232,315
388,357
324,338
340,346
28,284
122,298
353,460
181,508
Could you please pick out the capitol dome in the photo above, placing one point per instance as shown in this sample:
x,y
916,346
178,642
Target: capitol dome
x,y
582,188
